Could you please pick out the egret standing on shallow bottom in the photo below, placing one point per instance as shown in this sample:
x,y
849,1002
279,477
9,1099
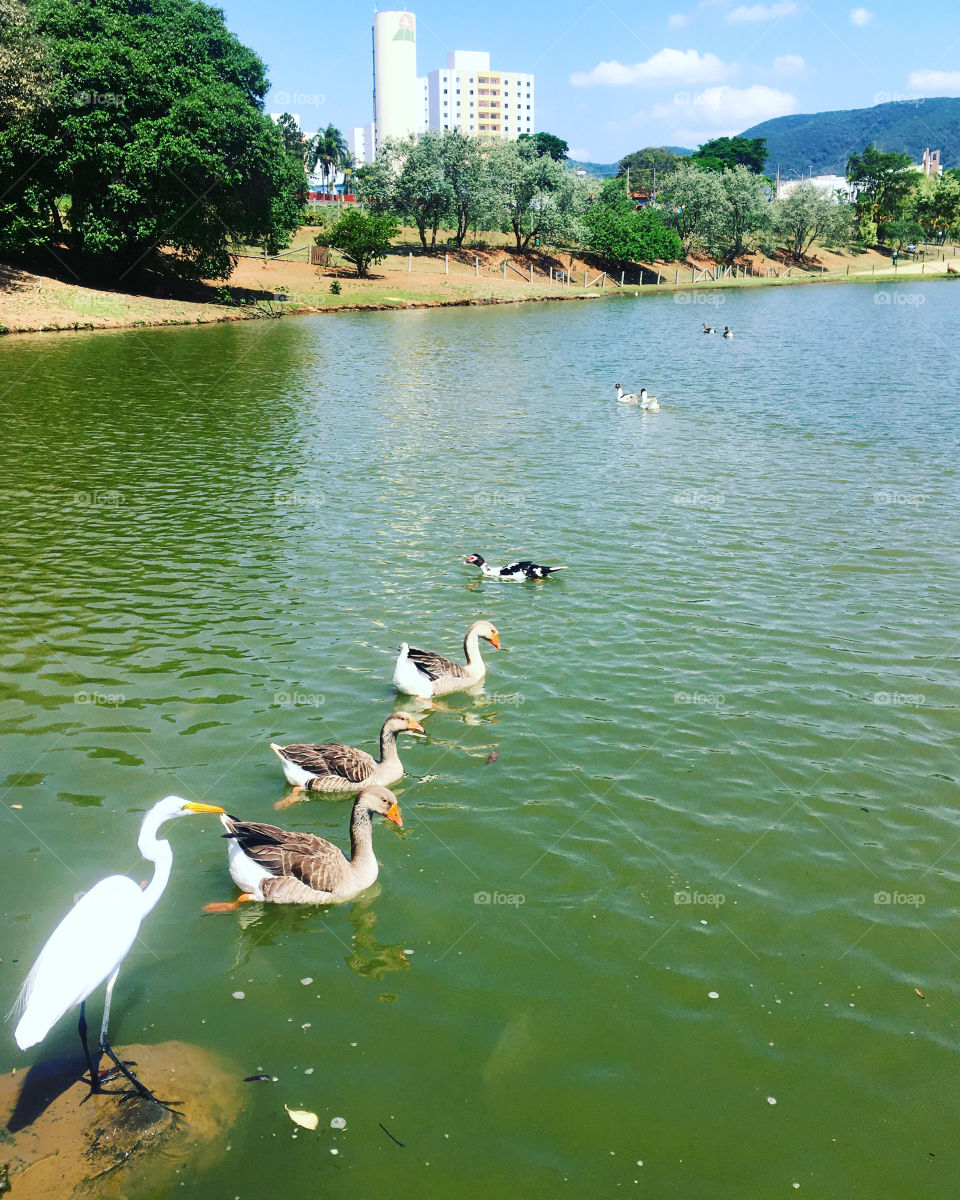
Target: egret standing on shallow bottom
x,y
91,942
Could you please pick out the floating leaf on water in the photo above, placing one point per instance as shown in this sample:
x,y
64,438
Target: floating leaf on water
x,y
338,1123
919,993
300,1116
492,756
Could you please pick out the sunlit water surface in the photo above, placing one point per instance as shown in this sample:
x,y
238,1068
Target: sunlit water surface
x,y
679,920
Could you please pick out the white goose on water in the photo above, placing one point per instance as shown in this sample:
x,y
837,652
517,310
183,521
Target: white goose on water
x,y
626,397
648,403
425,674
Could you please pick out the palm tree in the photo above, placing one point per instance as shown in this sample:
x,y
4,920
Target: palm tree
x,y
329,149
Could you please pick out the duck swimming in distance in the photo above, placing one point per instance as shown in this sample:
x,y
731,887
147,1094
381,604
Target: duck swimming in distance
x,y
523,569
625,397
648,403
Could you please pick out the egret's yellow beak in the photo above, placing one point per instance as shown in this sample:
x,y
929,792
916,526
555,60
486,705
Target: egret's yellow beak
x,y
191,806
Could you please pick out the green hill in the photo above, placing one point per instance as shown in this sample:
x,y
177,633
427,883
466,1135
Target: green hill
x,y
821,143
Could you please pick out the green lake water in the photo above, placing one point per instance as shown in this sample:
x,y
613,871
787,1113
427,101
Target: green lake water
x,y
720,841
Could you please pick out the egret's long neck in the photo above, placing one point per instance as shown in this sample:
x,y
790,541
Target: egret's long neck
x,y
388,746
157,851
361,834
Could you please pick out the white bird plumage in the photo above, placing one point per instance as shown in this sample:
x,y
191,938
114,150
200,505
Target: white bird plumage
x,y
92,940
645,401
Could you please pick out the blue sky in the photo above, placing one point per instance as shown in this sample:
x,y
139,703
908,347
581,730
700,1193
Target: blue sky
x,y
610,77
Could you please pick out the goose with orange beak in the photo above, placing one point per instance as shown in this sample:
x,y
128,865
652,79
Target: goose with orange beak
x,y
425,674
279,866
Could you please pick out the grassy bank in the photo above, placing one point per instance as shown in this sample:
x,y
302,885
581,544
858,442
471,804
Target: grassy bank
x,y
409,278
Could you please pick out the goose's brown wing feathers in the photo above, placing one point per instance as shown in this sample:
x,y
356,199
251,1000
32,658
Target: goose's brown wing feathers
x,y
333,759
434,665
303,856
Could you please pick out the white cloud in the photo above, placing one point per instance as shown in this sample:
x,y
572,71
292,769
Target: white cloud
x,y
939,83
723,110
788,64
762,12
661,69
860,16
678,20
579,154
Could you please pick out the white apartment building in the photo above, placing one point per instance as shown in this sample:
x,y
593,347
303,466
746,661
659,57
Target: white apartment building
x,y
465,95
468,95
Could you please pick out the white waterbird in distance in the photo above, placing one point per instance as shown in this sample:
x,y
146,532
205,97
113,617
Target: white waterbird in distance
x,y
91,942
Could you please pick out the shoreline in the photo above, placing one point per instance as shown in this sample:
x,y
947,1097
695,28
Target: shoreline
x,y
273,308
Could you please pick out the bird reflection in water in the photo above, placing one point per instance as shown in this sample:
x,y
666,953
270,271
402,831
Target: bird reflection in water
x,y
269,925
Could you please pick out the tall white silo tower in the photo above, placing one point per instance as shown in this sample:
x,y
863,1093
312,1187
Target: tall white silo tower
x,y
397,98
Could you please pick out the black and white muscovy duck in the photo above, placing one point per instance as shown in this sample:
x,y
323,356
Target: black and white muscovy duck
x,y
524,569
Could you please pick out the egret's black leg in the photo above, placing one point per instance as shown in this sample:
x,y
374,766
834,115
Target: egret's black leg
x,y
91,1066
122,1067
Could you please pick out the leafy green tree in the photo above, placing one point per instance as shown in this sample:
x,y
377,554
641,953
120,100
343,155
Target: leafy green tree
x,y
329,149
362,239
28,208
746,211
883,183
155,132
26,73
619,233
807,215
470,184
547,143
725,153
693,201
937,204
421,193
538,198
900,232
648,168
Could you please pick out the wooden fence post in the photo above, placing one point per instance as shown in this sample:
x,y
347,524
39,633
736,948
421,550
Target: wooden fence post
x,y
446,264
409,263
476,265
531,272
621,279
584,279
504,269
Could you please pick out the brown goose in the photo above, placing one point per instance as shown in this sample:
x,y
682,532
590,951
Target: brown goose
x,y
281,867
425,674
335,768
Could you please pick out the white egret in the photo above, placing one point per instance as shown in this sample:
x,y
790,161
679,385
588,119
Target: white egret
x,y
91,942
